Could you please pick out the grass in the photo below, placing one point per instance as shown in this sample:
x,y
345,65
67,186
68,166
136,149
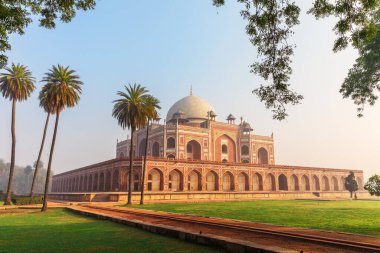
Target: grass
x,y
360,217
60,230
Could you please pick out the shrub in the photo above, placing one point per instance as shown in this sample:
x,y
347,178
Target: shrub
x,y
28,200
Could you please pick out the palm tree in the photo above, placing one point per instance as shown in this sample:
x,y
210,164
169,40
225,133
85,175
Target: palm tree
x,y
46,104
16,84
129,110
62,89
151,106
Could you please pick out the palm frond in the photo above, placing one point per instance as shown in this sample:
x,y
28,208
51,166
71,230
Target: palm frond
x,y
17,82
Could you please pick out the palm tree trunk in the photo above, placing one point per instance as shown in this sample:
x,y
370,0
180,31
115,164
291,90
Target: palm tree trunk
x,y
8,200
131,167
47,181
39,155
144,166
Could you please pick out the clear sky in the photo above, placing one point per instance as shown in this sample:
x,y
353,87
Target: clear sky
x,y
170,45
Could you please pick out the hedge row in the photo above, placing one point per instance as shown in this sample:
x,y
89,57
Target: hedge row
x,y
28,200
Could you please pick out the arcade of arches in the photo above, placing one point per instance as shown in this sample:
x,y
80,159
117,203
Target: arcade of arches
x,y
192,176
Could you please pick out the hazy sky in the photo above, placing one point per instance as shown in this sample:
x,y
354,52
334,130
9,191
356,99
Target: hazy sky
x,y
168,45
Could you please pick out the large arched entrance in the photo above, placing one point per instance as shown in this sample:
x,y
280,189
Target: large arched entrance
x,y
305,184
175,181
294,185
243,184
257,182
194,181
155,180
262,155
193,150
282,183
225,149
211,181
156,149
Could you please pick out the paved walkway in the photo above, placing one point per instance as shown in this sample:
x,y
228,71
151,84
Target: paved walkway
x,y
239,237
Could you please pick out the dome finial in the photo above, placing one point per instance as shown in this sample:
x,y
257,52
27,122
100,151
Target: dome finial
x,y
191,90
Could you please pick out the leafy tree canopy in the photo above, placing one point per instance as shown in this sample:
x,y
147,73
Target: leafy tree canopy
x,y
350,183
270,26
373,185
16,15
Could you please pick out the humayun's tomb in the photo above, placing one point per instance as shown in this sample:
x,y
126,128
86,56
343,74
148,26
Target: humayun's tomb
x,y
192,156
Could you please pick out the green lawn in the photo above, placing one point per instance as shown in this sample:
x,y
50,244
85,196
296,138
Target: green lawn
x,y
361,217
60,230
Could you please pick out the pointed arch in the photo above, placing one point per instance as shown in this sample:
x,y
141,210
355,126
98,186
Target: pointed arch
x,y
294,184
170,143
316,185
334,183
257,181
228,181
90,189
193,150
194,179
225,148
212,181
175,180
243,182
107,181
116,181
305,183
142,147
325,184
156,149
95,186
155,180
282,183
262,155
85,184
270,182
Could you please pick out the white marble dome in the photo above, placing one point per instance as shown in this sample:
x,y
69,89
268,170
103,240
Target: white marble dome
x,y
193,108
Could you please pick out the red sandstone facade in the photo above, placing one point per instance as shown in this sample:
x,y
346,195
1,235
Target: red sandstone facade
x,y
192,152
183,175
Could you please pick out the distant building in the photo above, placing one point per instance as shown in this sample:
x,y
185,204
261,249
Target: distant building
x,y
193,152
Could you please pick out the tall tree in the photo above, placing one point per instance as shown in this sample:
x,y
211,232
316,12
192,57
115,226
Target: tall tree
x,y
270,26
363,81
16,15
16,84
350,183
151,107
129,110
373,185
63,89
46,104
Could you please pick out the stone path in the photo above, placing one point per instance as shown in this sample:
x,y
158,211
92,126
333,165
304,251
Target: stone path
x,y
270,243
